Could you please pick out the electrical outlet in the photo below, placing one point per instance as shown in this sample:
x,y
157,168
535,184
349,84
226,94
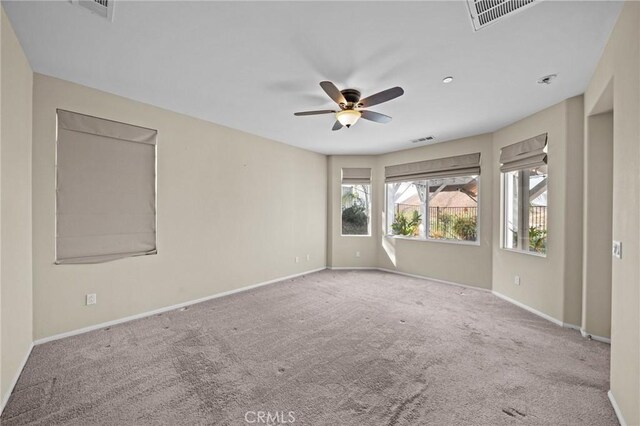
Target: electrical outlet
x,y
297,259
357,254
91,299
616,250
308,257
516,280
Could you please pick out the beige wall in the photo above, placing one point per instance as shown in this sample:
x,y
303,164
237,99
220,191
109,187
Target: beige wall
x,y
432,259
551,285
620,63
281,208
233,210
342,250
598,205
2,19
461,263
546,283
15,201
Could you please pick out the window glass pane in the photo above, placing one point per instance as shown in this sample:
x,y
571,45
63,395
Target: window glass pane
x,y
537,219
453,208
406,208
511,209
525,210
356,205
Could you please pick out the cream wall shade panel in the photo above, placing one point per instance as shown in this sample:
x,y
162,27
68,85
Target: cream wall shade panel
x,y
356,175
466,164
105,194
527,154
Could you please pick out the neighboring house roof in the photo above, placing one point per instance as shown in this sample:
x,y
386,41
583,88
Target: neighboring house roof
x,y
452,199
445,199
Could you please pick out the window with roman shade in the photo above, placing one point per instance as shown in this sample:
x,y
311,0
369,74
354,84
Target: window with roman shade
x,y
524,198
467,164
355,201
527,154
356,175
105,189
434,199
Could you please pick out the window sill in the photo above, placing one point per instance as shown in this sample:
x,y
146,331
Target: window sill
x,y
432,240
528,253
355,235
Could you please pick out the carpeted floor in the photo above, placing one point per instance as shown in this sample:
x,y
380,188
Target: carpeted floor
x,y
332,348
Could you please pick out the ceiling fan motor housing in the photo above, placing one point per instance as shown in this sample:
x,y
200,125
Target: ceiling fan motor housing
x,y
352,96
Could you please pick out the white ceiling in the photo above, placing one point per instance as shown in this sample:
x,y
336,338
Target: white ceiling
x,y
250,65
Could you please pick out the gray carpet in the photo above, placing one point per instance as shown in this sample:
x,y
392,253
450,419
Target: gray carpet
x,y
333,348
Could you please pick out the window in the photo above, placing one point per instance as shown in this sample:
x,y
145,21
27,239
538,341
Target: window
x,y
356,201
435,209
525,211
453,208
105,189
442,205
524,199
406,208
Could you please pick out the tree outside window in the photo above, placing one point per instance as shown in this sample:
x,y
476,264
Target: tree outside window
x,y
356,206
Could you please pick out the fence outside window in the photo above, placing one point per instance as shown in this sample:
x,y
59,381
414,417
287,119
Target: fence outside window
x,y
441,219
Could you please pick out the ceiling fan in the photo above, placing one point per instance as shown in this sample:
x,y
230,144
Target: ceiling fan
x,y
352,107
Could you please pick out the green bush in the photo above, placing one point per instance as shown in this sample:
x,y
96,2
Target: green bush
x,y
537,239
355,220
465,228
402,225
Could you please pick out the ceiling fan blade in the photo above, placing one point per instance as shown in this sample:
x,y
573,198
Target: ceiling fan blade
x,y
323,111
337,125
380,97
333,92
375,116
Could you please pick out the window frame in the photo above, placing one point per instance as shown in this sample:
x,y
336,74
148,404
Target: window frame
x,y
369,210
426,219
521,204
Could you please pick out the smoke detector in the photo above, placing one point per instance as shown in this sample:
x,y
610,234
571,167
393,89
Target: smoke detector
x,y
547,79
103,8
486,12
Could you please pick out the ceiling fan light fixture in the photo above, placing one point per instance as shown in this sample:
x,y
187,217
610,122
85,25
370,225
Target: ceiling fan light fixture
x,y
348,117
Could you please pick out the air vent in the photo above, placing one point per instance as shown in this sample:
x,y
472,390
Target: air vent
x,y
103,8
486,12
425,139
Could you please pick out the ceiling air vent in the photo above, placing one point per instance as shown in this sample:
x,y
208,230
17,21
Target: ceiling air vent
x,y
425,139
486,12
103,8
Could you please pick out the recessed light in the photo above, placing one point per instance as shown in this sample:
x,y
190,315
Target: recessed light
x,y
547,79
447,80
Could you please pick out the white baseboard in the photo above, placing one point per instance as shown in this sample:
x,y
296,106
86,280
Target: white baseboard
x,y
354,268
530,309
500,295
167,308
5,398
616,408
571,326
537,312
436,280
594,337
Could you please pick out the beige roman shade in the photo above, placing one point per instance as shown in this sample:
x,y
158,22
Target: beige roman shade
x,y
105,189
460,165
524,155
356,175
